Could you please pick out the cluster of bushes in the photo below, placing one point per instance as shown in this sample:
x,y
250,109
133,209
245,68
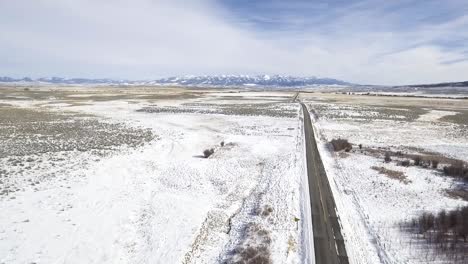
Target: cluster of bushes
x,y
208,152
405,163
421,161
447,231
341,144
417,160
458,170
265,211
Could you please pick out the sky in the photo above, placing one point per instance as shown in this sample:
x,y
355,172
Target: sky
x,y
360,41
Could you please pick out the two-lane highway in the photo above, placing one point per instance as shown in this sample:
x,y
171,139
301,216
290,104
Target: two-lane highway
x,y
328,242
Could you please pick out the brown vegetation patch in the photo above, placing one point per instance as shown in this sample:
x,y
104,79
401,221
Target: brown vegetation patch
x,y
460,118
292,244
258,109
343,155
255,248
267,210
430,160
424,156
397,175
26,131
458,194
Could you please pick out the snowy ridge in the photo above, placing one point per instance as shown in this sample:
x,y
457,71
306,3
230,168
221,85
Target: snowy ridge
x,y
190,80
247,80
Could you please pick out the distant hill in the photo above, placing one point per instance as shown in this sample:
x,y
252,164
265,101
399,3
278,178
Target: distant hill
x,y
436,85
58,80
218,80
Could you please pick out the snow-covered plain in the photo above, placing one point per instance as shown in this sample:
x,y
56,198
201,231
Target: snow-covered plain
x,y
161,201
372,206
111,175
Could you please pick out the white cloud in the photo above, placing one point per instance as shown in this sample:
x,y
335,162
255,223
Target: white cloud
x,y
147,39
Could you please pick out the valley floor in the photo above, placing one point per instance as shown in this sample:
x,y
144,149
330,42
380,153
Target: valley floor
x,y
116,175
159,201
375,208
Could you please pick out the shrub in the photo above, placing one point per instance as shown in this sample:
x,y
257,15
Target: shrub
x,y
221,144
208,152
426,222
341,144
405,163
360,146
417,160
387,157
425,164
456,170
267,210
435,163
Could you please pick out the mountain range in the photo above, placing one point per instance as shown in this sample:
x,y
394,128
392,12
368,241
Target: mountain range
x,y
217,80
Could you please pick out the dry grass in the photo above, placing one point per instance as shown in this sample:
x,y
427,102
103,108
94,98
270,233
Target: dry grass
x,y
250,109
392,174
460,118
456,167
292,244
457,194
343,155
255,248
26,131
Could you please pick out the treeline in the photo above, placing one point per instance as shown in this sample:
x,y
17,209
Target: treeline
x,y
447,231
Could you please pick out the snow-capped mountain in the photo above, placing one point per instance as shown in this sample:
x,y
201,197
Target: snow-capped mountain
x,y
246,80
218,80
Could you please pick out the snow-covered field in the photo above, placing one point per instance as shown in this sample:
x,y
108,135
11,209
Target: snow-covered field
x,y
372,206
143,193
117,175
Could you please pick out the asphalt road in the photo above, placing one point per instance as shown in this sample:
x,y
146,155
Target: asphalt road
x,y
295,97
328,242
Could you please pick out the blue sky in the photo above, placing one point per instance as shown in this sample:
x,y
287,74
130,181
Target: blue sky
x,y
274,15
379,42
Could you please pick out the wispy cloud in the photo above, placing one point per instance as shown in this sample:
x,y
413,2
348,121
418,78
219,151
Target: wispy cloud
x,y
454,61
371,41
